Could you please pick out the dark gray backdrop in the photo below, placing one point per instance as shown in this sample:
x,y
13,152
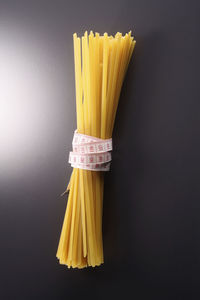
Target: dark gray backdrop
x,y
151,220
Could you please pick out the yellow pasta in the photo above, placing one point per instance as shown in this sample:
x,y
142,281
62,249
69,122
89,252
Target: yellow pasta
x,y
101,63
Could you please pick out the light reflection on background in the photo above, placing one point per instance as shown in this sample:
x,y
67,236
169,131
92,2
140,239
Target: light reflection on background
x,y
31,99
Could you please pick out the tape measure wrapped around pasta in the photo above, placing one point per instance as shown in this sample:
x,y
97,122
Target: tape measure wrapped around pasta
x,y
101,63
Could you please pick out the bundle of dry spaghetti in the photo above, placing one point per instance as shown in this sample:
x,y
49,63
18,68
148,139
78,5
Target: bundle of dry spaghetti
x,y
100,66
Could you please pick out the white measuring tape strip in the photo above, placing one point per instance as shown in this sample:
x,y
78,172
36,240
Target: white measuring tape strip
x,y
90,153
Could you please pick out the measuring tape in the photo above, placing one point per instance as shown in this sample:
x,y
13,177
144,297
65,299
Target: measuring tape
x,y
90,153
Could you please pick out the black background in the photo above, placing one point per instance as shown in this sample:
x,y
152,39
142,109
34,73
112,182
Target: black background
x,y
151,220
